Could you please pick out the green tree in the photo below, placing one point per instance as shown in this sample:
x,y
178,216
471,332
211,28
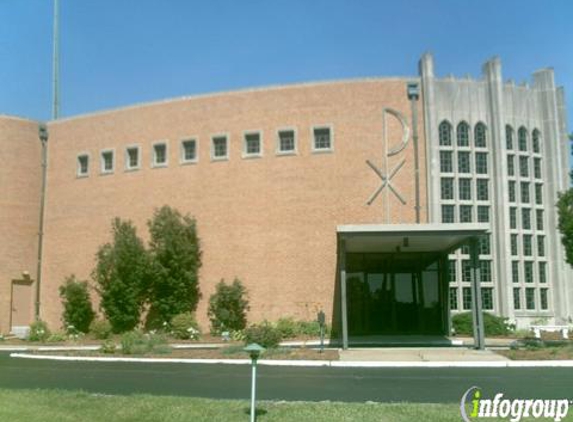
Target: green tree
x,y
121,274
176,258
565,212
78,311
228,306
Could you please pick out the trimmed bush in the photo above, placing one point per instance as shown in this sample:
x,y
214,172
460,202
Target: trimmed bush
x,y
493,325
100,329
289,328
228,307
108,347
39,331
185,327
78,311
263,334
137,343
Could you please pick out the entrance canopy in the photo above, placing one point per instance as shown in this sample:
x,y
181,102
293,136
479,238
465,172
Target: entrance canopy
x,y
388,238
394,277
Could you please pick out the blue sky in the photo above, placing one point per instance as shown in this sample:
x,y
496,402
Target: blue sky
x,y
120,52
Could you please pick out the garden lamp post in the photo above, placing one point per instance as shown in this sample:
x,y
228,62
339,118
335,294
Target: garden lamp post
x,y
254,351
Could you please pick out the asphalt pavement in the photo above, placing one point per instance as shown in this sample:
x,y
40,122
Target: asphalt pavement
x,y
423,385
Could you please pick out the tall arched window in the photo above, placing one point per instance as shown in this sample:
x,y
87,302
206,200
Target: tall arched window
x,y
508,137
535,135
463,134
480,135
445,133
522,138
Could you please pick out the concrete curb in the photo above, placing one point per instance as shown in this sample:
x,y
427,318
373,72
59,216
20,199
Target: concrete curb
x,y
316,363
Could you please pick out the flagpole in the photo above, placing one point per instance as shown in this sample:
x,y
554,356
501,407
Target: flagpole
x,y
55,63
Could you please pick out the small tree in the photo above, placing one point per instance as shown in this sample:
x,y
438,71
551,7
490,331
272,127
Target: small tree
x,y
565,211
176,257
228,307
78,311
121,274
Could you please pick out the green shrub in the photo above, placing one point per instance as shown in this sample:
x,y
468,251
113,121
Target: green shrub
x,y
108,347
228,307
263,334
289,328
57,338
185,327
100,329
78,311
493,325
39,331
137,343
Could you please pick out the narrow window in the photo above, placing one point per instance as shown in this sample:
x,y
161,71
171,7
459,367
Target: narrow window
x,y
542,273
485,271
543,299
446,165
467,298
83,165
447,213
463,134
528,271
526,219
481,163
483,214
252,145
189,151
484,245
522,138
524,192
527,246
219,148
540,245
465,189
537,168
452,270
286,141
539,194
132,158
482,189
513,218
512,196
107,162
515,271
322,139
480,135
447,188
465,213
445,133
464,162
539,219
466,270
535,135
514,248
516,298
523,166
159,155
487,298
453,298
530,298
508,137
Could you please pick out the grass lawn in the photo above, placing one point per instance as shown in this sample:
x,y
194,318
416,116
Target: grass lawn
x,y
539,353
63,406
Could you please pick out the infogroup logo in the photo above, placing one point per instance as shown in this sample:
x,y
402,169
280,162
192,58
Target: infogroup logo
x,y
474,407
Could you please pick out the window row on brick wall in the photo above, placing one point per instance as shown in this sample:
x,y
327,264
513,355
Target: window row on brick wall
x,y
286,142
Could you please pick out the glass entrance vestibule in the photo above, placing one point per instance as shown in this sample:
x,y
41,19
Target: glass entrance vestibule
x,y
396,294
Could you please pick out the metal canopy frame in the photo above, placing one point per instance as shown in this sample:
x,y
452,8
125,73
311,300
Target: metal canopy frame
x,y
407,238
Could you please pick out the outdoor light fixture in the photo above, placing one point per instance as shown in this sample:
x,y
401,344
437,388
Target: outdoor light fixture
x,y
254,350
413,91
43,135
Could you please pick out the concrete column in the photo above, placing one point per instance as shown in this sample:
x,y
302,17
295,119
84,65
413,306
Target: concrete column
x,y
479,335
499,185
343,301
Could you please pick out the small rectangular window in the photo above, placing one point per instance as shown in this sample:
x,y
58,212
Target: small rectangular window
x,y
542,272
537,168
446,165
527,247
516,298
466,270
513,218
514,251
539,219
189,151
487,298
510,165
465,213
132,158
83,165
467,298
540,245
481,162
219,148
483,214
447,188
524,192
322,139
485,271
286,141
252,145
530,298
524,166
515,271
107,162
465,189
159,155
448,213
464,165
512,195
539,194
484,245
453,298
482,189
528,271
543,299
526,219
452,270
